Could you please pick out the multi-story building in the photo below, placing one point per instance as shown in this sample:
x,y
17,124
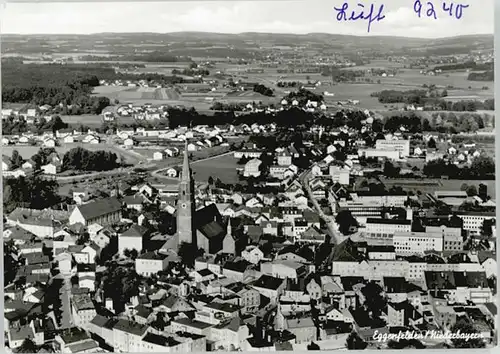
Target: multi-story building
x,y
83,310
150,263
252,168
452,236
339,175
371,269
407,243
401,146
386,228
128,335
473,221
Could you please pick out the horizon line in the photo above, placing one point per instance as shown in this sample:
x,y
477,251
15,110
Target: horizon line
x,y
249,32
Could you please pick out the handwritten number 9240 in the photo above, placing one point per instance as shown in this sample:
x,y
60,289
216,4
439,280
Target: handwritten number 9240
x,y
429,10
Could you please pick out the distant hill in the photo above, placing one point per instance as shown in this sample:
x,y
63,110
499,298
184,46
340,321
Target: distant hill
x,y
251,42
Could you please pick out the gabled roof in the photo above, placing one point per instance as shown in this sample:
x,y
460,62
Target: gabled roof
x,y
135,231
347,251
99,208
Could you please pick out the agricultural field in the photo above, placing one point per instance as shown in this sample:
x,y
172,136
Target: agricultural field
x,y
90,120
223,167
143,95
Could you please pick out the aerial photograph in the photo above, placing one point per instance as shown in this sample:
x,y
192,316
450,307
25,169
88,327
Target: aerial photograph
x,y
248,176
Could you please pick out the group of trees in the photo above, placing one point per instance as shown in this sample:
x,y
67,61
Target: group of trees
x,y
32,192
466,65
464,105
263,90
289,118
120,284
292,84
433,98
395,96
482,76
53,125
55,85
342,75
482,167
442,122
68,88
80,159
191,72
302,96
229,107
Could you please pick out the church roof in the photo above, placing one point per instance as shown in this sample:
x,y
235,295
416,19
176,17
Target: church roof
x,y
212,229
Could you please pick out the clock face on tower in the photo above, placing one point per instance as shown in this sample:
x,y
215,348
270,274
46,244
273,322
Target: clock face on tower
x,y
184,205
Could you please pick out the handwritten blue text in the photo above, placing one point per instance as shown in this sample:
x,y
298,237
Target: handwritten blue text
x,y
449,8
359,14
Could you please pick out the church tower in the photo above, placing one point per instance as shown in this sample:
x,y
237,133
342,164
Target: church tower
x,y
185,203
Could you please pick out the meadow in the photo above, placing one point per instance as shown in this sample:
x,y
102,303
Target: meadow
x,y
222,167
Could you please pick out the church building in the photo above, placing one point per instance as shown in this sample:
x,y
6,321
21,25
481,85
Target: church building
x,y
204,227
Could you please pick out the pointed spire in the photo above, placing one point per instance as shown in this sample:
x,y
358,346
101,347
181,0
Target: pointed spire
x,y
185,164
229,230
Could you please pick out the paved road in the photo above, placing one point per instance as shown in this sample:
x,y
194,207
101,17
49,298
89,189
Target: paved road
x,y
65,295
335,237
67,318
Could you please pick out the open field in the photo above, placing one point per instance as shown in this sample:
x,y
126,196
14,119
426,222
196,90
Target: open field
x,y
223,167
143,95
84,119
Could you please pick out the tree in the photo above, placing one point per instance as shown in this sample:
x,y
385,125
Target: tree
x,y
120,284
431,144
471,190
482,166
390,170
374,301
10,263
127,252
464,326
33,192
188,253
313,346
354,342
487,227
464,187
133,254
346,221
83,239
16,159
28,346
210,180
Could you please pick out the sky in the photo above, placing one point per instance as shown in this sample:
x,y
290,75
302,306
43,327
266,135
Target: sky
x,y
298,17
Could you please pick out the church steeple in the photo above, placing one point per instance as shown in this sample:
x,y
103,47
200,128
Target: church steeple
x,y
186,173
185,204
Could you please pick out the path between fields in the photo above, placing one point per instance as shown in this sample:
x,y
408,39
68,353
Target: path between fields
x,y
157,172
